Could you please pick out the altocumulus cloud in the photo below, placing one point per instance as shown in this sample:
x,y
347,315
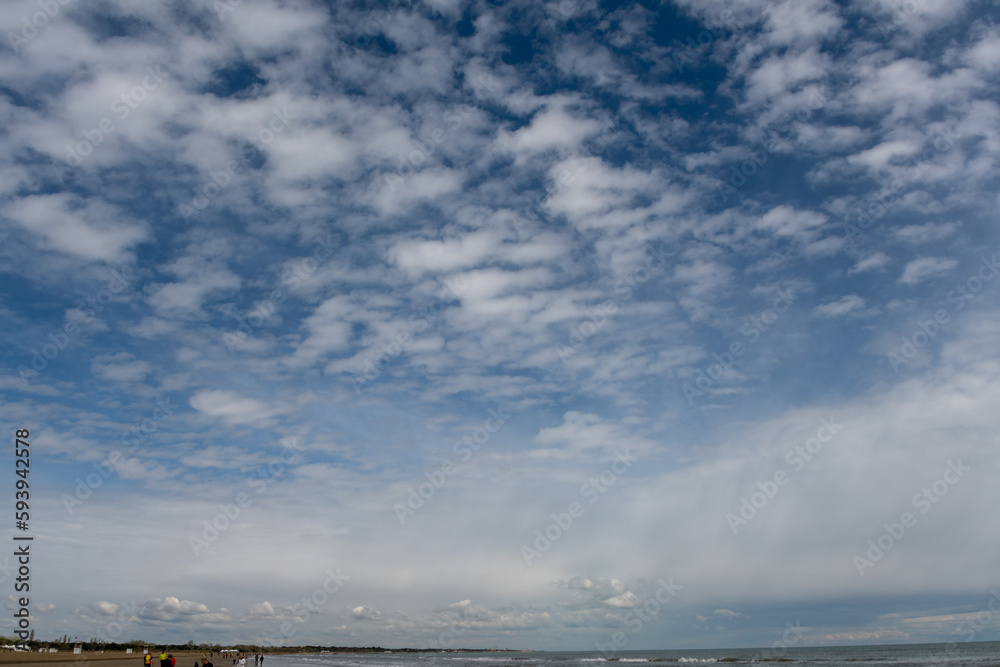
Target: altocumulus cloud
x,y
558,212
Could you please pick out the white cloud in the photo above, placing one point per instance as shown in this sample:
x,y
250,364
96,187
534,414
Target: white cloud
x,y
926,268
524,181
627,599
90,230
262,609
329,329
555,127
595,195
872,262
231,407
927,232
201,274
172,608
582,433
399,191
985,54
121,367
366,613
782,74
842,306
802,23
465,251
787,221
877,157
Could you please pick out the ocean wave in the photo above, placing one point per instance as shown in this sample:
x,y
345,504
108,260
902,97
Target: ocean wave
x,y
480,659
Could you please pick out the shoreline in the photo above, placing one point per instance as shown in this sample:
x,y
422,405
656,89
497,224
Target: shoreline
x,y
106,658
16,658
122,659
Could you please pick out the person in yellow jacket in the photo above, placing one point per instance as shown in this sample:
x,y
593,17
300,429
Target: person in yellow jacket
x,y
147,660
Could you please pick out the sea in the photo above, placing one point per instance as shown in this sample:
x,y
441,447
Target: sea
x,y
965,654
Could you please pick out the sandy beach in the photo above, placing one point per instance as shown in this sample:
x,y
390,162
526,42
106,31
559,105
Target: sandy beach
x,y
106,659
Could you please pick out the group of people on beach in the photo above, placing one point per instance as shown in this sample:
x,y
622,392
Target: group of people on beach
x,y
168,660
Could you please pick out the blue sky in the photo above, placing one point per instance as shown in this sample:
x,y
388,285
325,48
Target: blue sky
x,y
454,323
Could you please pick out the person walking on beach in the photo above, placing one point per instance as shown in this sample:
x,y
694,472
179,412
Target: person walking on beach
x,y
206,663
164,660
147,660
